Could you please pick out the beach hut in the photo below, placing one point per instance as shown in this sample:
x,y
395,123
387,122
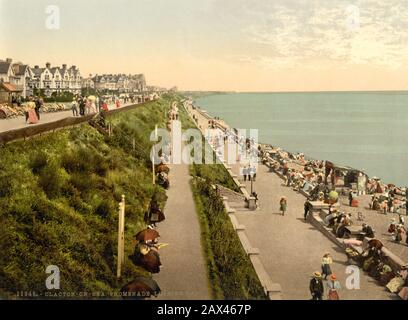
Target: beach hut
x,y
351,178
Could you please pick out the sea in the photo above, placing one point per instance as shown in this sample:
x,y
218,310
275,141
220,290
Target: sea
x,y
363,130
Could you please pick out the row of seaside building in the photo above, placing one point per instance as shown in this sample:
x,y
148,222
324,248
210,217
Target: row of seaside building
x,y
17,78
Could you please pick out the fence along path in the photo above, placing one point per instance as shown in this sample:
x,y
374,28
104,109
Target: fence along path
x,y
33,130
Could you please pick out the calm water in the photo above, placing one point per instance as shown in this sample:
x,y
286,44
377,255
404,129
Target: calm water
x,y
362,130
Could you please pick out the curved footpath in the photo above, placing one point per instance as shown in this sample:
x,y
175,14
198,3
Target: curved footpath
x,y
290,248
184,273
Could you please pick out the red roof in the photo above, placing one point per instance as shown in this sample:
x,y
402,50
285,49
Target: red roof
x,y
9,87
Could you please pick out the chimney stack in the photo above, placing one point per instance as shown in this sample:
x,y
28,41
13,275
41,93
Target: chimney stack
x,y
9,60
64,66
48,65
36,67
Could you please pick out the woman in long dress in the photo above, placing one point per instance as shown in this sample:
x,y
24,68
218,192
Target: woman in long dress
x,y
326,262
333,286
30,114
283,205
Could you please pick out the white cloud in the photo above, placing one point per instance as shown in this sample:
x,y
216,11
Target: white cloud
x,y
292,33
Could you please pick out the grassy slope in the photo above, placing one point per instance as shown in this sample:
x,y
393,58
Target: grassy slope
x,y
59,195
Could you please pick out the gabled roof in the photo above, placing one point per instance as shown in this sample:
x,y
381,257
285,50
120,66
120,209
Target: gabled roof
x,y
74,71
38,71
19,69
4,67
54,70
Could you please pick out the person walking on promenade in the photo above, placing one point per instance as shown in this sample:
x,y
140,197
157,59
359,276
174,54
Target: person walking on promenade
x,y
399,232
244,173
18,101
81,102
30,112
37,107
390,204
316,286
74,108
253,173
401,219
350,197
333,286
283,205
88,106
308,208
326,262
100,104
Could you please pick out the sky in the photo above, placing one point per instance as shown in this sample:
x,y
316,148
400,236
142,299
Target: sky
x,y
222,45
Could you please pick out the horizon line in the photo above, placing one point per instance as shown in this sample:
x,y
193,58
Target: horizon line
x,y
296,91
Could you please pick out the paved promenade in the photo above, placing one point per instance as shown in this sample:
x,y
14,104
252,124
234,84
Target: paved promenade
x,y
184,273
290,248
19,122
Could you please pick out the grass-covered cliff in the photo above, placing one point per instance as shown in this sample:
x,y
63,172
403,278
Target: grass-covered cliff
x,y
59,196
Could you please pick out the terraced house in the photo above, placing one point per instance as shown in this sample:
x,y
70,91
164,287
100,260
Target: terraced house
x,y
16,76
117,82
56,79
23,80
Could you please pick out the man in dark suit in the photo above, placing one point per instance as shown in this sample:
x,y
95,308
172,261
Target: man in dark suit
x,y
316,286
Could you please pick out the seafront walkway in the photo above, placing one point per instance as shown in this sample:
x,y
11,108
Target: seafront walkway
x,y
291,249
184,273
19,122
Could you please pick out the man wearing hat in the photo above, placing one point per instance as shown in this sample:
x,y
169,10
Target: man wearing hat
x,y
316,286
